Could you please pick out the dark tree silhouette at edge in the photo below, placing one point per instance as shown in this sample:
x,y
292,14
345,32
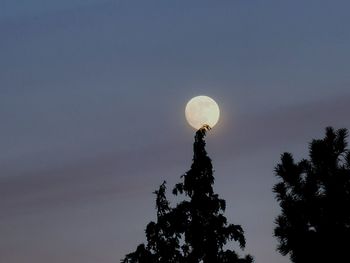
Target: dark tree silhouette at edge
x,y
196,230
314,195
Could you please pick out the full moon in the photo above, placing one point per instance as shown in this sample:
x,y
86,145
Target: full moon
x,y
202,110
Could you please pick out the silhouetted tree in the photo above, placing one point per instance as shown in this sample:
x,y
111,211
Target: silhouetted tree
x,y
314,195
196,230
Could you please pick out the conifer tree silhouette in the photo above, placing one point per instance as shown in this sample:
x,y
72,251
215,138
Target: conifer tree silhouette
x,y
314,195
196,230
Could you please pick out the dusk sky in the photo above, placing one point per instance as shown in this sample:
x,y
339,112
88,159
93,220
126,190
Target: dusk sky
x,y
92,101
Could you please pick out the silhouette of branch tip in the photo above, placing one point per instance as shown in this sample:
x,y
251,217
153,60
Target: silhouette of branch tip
x,y
205,127
200,133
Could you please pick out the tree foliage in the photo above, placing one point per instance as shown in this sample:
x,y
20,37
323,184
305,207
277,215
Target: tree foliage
x,y
314,196
196,230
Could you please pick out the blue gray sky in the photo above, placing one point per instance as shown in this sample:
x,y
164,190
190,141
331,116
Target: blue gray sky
x,y
92,99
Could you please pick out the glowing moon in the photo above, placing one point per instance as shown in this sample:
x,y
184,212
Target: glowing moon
x,y
202,110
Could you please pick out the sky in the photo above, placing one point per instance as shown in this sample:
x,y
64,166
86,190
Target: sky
x,y
92,100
